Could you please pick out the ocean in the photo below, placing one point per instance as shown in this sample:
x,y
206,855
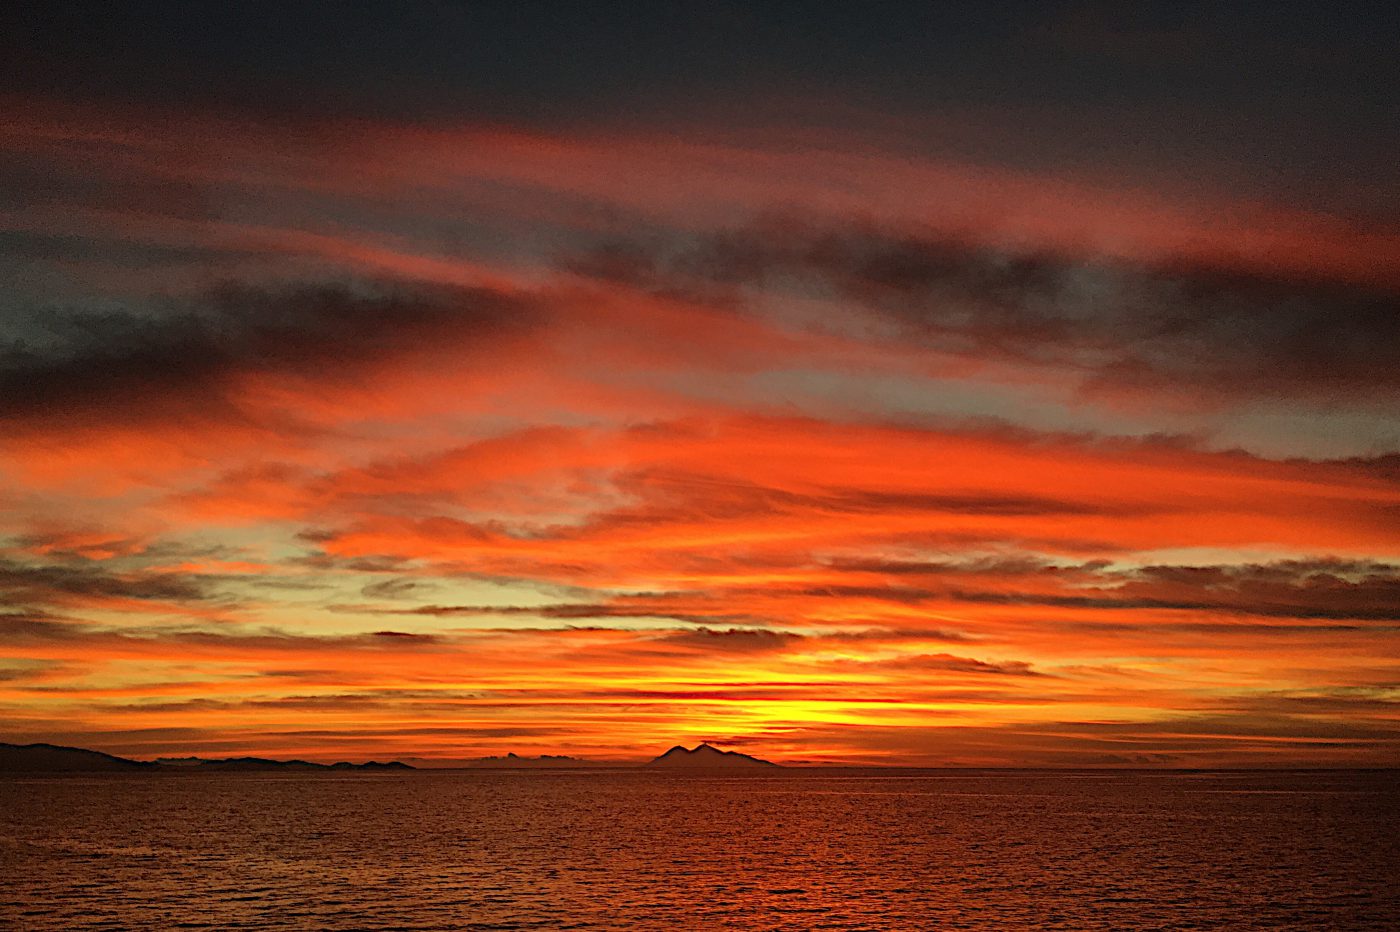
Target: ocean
x,y
790,849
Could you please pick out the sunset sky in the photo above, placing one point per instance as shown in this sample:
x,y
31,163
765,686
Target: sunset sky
x,y
985,384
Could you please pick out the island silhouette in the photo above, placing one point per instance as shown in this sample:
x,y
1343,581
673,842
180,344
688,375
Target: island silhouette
x,y
52,758
706,756
513,761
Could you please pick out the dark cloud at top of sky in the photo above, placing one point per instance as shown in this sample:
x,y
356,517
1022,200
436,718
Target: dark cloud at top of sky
x,y
1073,83
455,54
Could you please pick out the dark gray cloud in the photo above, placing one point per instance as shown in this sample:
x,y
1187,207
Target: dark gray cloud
x,y
734,640
124,365
406,637
30,584
35,628
682,609
1319,589
1361,592
1380,701
1386,610
396,588
1122,326
1188,730
39,628
674,496
950,663
1009,566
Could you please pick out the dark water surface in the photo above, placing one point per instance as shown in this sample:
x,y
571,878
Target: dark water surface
x,y
622,850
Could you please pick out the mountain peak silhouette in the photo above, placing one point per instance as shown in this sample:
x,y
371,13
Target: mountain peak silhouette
x,y
705,756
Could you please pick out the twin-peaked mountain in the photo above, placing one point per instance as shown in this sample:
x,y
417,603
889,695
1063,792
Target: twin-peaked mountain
x,y
707,757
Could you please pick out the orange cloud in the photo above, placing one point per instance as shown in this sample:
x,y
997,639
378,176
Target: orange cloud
x,y
542,444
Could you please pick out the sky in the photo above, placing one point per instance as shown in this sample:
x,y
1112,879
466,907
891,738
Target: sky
x,y
987,384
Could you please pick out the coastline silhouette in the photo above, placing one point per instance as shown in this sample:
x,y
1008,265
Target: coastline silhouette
x,y
52,758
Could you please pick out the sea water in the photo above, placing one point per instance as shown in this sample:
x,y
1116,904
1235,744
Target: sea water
x,y
791,849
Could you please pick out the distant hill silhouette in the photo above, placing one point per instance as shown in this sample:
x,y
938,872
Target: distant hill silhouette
x,y
51,758
180,761
706,757
262,763
513,761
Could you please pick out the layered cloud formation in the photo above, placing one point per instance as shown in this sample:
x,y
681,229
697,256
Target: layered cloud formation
x,y
353,436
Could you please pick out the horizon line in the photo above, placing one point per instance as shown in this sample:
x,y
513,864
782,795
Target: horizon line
x,y
466,763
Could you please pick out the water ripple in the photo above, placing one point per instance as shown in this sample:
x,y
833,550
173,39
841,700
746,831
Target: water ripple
x,y
631,850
